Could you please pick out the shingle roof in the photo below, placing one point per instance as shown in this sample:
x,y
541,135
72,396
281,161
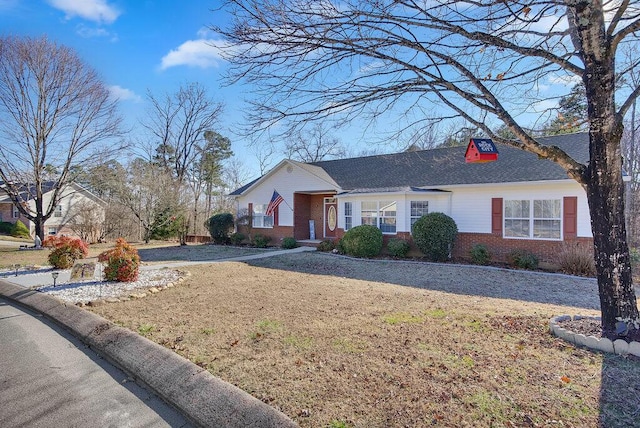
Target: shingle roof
x,y
446,166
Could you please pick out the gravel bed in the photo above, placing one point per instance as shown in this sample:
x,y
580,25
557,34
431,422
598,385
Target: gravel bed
x,y
87,291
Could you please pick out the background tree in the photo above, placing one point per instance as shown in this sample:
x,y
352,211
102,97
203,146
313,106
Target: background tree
x,y
314,146
55,114
205,174
177,123
150,193
571,114
481,61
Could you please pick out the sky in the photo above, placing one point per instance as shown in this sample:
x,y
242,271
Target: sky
x,y
151,45
138,46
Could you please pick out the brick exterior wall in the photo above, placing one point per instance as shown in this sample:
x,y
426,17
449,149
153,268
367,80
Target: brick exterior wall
x,y
546,251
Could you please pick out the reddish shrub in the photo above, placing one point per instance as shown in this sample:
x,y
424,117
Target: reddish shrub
x,y
66,251
122,262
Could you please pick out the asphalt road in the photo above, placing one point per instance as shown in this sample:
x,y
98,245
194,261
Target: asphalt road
x,y
50,379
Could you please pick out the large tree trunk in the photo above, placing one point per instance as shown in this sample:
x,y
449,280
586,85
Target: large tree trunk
x,y
603,180
605,193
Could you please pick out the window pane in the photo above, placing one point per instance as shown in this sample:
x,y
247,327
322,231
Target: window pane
x,y
418,209
268,221
516,228
388,225
388,208
369,206
347,223
546,209
546,229
516,209
348,209
369,220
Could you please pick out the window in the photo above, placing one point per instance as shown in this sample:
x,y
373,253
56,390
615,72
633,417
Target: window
x,y
418,209
538,219
348,215
58,211
52,230
381,214
259,218
16,212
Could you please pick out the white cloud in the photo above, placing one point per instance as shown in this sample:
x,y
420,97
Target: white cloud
x,y
92,10
203,53
564,79
89,32
122,94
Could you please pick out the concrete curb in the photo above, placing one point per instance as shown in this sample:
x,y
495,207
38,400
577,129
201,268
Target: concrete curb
x,y
619,346
203,398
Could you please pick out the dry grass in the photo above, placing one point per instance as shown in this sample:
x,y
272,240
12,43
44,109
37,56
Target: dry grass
x,y
356,349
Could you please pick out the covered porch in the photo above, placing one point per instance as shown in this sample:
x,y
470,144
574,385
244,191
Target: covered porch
x,y
315,216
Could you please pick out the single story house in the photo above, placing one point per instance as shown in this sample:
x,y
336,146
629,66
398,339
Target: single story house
x,y
76,208
516,202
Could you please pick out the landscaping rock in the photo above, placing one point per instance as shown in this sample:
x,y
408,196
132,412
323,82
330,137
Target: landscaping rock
x,y
621,347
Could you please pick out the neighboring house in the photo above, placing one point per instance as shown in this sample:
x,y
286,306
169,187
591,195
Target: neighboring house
x,y
78,213
516,202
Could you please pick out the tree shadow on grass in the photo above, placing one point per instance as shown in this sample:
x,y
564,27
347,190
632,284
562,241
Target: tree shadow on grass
x,y
620,391
193,253
451,278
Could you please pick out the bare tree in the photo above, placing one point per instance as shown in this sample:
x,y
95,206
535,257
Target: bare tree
x,y
314,146
177,123
152,195
482,61
87,220
55,113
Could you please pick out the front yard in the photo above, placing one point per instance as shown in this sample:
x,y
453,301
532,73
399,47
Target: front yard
x,y
335,342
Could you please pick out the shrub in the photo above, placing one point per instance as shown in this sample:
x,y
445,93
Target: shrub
x,y
236,238
362,241
261,241
480,255
66,251
398,247
122,262
220,226
326,246
577,260
50,241
6,227
289,243
434,235
523,259
19,230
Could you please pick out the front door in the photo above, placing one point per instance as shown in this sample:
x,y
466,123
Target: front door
x,y
330,217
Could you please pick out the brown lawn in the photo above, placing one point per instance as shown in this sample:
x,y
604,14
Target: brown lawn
x,y
334,342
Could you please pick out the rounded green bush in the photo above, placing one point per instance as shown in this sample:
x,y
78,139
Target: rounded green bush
x,y
398,247
434,234
289,243
480,254
19,230
523,259
362,241
237,238
220,226
261,241
326,246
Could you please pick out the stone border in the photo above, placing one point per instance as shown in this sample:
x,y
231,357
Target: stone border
x,y
618,346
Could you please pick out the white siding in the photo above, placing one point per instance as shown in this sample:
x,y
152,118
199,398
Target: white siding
x,y
471,206
285,179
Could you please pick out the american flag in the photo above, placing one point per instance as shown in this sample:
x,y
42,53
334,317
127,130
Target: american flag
x,y
276,200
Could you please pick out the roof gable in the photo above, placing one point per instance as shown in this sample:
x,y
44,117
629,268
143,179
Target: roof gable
x,y
439,167
446,166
